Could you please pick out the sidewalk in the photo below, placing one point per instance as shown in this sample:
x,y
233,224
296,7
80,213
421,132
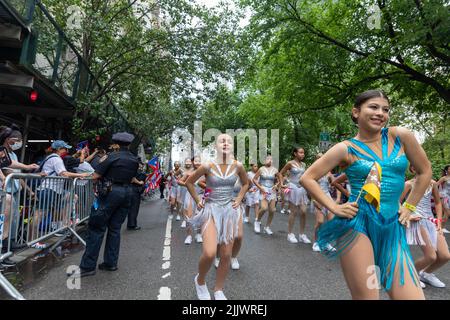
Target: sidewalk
x,y
137,277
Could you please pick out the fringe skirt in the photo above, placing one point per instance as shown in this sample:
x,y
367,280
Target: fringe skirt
x,y
173,191
269,196
297,196
414,236
225,218
252,198
387,235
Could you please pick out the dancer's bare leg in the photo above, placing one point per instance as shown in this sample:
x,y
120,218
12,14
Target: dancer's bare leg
x,y
209,249
272,210
355,264
238,241
443,255
293,213
224,265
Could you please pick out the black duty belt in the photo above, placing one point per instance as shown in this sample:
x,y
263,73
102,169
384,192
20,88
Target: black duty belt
x,y
122,183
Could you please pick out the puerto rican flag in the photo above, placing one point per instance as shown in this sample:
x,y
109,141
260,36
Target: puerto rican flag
x,y
154,178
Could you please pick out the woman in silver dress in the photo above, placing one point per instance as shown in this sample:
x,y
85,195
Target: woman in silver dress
x,y
427,234
189,206
220,216
296,196
174,175
322,213
266,180
252,196
444,185
182,190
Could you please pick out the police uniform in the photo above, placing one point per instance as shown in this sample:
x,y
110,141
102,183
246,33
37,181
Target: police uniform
x,y
119,168
136,202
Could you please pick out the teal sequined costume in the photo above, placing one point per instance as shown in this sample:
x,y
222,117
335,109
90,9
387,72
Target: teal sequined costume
x,y
387,235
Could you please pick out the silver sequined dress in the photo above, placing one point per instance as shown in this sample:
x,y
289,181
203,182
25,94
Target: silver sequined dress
x,y
267,181
218,204
297,194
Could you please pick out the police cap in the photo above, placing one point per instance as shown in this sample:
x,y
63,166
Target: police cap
x,y
123,137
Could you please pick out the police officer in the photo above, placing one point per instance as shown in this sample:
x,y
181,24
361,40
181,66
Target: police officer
x,y
117,173
138,189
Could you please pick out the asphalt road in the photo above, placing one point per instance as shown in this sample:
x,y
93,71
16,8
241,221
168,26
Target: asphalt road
x,y
153,266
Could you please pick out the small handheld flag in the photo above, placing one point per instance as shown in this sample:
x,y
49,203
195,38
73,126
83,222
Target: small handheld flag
x,y
81,145
372,186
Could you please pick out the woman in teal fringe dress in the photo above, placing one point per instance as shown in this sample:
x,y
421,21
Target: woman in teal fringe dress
x,y
371,244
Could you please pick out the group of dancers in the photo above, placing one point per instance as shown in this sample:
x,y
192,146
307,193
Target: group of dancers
x,y
215,199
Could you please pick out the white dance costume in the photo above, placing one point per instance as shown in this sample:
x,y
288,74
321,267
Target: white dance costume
x,y
297,194
446,194
324,184
252,195
267,181
218,204
188,200
174,189
413,234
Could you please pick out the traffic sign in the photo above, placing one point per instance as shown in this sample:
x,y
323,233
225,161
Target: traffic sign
x,y
324,136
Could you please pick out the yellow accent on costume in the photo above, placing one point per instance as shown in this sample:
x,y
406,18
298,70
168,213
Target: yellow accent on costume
x,y
372,186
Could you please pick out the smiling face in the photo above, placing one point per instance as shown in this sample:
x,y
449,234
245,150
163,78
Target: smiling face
x,y
224,144
373,114
176,165
268,161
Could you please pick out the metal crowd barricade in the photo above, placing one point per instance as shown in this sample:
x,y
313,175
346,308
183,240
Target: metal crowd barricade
x,y
9,288
34,208
82,201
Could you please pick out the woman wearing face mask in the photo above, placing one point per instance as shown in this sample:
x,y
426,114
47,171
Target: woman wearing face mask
x,y
11,139
367,233
221,216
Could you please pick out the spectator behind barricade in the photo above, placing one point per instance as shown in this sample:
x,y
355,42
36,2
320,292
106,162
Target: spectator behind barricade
x,y
97,156
79,161
53,195
11,139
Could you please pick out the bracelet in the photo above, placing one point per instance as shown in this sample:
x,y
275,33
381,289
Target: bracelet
x,y
409,206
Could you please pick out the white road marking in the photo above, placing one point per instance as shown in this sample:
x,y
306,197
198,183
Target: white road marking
x,y
166,253
165,292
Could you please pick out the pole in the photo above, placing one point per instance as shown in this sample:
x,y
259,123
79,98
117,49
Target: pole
x,y
25,137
